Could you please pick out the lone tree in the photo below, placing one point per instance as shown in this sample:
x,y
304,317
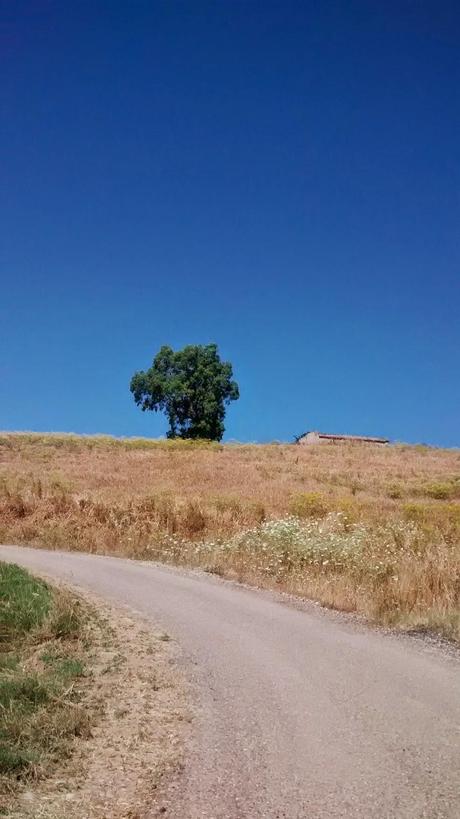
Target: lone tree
x,y
191,386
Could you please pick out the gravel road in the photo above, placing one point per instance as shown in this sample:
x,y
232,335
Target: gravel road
x,y
300,713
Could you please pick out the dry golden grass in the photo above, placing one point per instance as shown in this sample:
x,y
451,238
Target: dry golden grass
x,y
375,529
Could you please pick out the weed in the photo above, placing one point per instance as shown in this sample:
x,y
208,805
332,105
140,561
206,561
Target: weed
x,y
440,491
64,666
22,692
24,602
65,620
8,662
309,505
394,491
41,652
12,760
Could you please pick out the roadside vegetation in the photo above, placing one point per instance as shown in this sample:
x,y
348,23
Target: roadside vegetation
x,y
357,527
83,688
44,657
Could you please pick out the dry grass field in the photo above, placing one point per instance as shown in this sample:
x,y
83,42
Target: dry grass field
x,y
356,526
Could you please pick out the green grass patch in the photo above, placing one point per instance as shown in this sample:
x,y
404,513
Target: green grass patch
x,y
23,692
45,648
12,761
8,662
62,665
24,602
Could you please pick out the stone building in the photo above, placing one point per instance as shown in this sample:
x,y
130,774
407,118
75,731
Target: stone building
x,y
325,437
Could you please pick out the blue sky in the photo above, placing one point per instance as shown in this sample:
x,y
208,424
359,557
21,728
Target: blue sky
x,y
280,178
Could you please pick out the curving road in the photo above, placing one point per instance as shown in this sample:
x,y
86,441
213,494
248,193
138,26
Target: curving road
x,y
301,713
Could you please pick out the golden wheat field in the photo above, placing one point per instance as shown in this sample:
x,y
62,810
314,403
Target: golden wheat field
x,y
355,526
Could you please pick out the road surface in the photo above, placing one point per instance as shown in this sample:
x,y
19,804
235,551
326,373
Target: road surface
x,y
300,713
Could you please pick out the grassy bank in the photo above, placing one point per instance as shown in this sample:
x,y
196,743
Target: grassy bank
x,y
43,663
358,527
93,711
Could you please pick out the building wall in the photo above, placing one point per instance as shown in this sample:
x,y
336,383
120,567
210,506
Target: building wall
x,y
322,438
309,438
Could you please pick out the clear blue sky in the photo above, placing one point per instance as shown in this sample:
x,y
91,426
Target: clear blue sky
x,y
280,178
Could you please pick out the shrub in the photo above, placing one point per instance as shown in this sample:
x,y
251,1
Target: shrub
x,y
416,511
394,491
193,520
309,505
439,491
351,511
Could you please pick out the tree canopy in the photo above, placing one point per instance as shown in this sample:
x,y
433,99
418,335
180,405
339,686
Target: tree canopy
x,y
191,386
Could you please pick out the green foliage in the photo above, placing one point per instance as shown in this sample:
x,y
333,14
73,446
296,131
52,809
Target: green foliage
x,y
191,386
24,601
26,691
62,665
8,662
38,709
12,760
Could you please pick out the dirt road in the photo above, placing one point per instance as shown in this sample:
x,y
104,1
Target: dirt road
x,y
300,713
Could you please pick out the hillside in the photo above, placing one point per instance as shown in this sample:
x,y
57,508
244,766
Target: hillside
x,y
359,527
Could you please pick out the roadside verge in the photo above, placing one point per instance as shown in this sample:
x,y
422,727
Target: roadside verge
x,y
100,740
